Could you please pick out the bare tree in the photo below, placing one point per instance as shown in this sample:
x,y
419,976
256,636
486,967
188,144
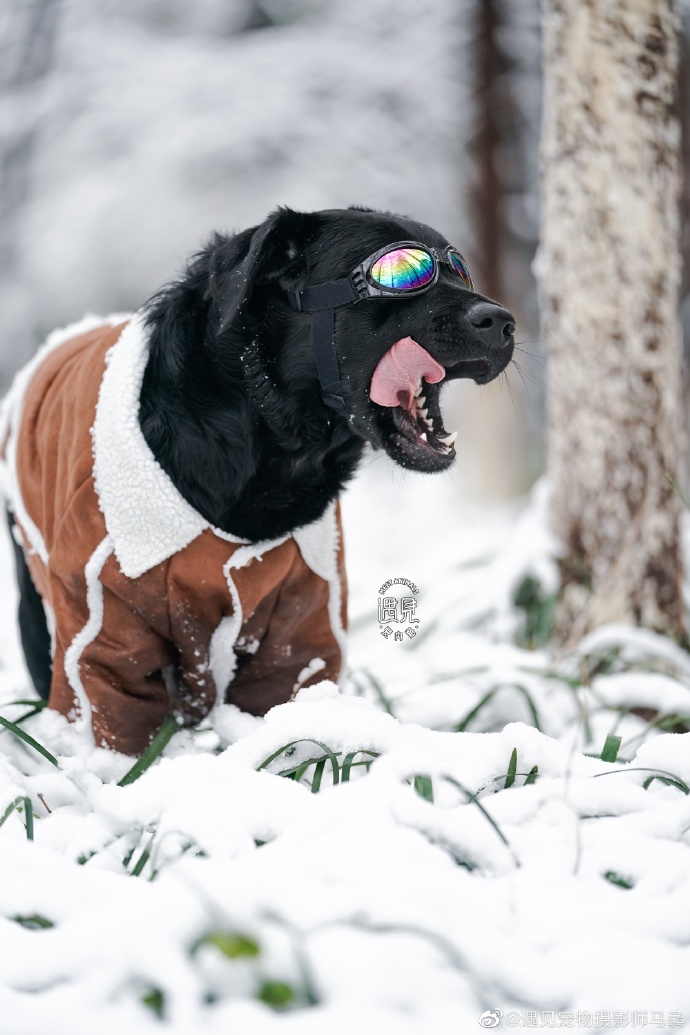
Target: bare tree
x,y
609,269
489,192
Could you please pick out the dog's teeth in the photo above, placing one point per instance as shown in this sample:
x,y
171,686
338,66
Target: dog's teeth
x,y
418,392
429,424
423,436
448,440
421,399
423,413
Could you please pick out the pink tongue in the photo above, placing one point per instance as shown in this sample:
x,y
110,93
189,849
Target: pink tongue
x,y
400,372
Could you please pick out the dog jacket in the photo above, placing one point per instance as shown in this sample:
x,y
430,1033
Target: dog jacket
x,y
151,610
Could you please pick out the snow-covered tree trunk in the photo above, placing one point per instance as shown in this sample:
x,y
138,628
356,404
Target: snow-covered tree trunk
x,y
609,272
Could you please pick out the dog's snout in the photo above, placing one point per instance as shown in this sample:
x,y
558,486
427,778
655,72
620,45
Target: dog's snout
x,y
492,323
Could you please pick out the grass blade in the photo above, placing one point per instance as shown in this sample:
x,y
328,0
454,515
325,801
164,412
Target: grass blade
x,y
154,999
669,781
618,879
673,780
17,805
474,712
152,752
21,734
611,746
143,858
472,799
530,704
296,772
9,810
530,777
512,769
29,819
531,707
348,762
380,693
318,775
424,788
332,758
232,944
35,922
34,702
28,715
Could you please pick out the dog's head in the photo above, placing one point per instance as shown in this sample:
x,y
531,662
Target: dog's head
x,y
394,354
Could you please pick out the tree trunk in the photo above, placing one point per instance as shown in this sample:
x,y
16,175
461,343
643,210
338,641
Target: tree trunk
x,y
489,199
609,271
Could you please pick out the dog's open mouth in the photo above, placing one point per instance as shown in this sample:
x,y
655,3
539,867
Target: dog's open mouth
x,y
407,382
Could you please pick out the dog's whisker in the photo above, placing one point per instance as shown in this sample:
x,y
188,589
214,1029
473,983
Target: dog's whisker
x,y
506,380
541,340
521,375
524,374
533,356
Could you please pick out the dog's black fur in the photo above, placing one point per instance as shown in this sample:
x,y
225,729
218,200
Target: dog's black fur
x,y
231,404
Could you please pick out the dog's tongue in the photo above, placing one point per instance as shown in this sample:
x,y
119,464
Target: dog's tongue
x,y
400,372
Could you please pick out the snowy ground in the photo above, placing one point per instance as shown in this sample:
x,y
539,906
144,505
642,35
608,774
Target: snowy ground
x,y
432,887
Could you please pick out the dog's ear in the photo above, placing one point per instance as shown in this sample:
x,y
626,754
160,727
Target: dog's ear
x,y
274,251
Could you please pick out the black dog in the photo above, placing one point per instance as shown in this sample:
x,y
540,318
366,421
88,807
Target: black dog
x,y
280,353
231,404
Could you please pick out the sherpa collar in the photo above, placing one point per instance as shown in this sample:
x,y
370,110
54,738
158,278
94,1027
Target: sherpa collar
x,y
147,517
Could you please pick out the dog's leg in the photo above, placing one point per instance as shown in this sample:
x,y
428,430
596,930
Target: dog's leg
x,y
33,628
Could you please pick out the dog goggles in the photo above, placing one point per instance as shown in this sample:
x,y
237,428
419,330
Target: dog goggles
x,y
401,270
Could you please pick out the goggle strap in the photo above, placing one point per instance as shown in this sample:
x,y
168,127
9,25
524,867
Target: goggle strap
x,y
321,300
322,338
323,296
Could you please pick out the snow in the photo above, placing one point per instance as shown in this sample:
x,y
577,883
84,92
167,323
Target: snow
x,y
152,125
381,909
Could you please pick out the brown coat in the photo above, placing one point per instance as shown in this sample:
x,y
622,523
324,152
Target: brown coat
x,y
153,610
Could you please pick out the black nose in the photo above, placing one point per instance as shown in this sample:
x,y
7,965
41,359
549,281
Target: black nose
x,y
493,324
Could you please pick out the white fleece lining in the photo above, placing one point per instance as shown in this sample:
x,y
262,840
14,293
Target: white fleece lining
x,y
148,519
11,415
89,632
222,657
318,544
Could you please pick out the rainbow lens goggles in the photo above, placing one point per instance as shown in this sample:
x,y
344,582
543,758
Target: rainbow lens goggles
x,y
408,266
396,271
400,270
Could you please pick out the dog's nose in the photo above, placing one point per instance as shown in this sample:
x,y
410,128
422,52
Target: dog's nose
x,y
494,324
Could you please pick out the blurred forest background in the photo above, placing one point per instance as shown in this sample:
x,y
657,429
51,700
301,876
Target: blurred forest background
x,y
129,129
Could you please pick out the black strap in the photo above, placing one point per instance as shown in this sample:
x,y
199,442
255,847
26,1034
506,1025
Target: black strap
x,y
322,338
321,300
323,296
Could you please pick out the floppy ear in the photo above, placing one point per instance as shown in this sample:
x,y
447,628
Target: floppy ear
x,y
274,251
